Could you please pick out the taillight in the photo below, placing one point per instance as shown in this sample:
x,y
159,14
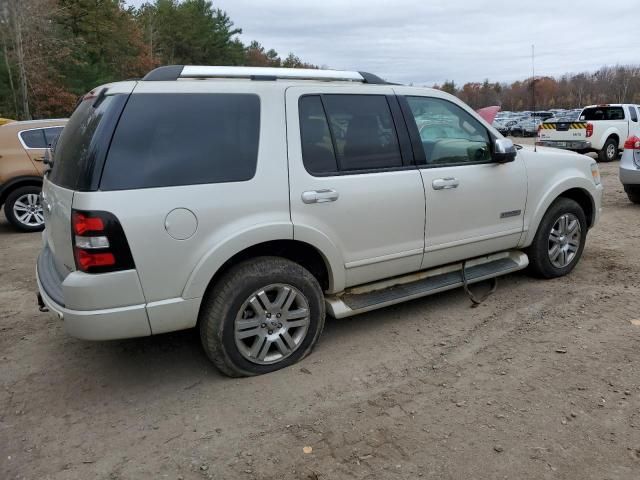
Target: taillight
x,y
99,243
632,143
589,129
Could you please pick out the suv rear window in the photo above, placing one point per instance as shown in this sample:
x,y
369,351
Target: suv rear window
x,y
602,113
182,139
80,149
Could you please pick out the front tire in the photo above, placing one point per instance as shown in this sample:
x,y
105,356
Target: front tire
x,y
609,151
264,314
24,210
559,241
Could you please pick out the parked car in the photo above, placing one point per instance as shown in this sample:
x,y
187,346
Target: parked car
x,y
22,149
5,120
599,128
250,202
630,168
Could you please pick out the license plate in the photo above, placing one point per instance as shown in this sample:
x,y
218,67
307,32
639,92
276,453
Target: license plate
x,y
562,144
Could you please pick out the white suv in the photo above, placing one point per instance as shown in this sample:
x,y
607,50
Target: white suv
x,y
249,202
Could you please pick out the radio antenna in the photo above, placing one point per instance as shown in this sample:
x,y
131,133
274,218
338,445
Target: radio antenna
x,y
533,88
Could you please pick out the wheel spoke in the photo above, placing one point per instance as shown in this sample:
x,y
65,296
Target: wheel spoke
x,y
39,217
257,345
264,300
291,344
250,332
298,323
298,313
283,295
249,323
19,205
257,306
284,349
554,236
554,252
264,350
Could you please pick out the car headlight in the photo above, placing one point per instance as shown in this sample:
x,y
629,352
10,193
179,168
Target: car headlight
x,y
595,173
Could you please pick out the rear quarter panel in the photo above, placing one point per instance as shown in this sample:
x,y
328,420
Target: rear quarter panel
x,y
230,216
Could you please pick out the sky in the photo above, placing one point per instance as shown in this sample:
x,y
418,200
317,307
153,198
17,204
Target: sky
x,y
429,41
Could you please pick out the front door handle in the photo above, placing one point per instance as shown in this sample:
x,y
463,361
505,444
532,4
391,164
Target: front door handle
x,y
445,183
320,196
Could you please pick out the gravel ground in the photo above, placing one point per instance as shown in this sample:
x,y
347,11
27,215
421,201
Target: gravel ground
x,y
541,381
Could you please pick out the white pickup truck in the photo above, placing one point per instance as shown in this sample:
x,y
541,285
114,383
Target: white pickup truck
x,y
600,128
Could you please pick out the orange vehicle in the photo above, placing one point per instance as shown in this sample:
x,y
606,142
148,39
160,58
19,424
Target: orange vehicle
x,y
22,149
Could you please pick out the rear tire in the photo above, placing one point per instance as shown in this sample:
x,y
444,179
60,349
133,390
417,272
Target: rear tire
x,y
23,209
253,319
633,192
559,241
609,151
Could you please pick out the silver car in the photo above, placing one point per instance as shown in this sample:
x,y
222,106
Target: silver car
x,y
630,168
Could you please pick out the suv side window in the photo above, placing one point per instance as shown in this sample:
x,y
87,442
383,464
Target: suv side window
x,y
363,131
33,138
51,135
348,134
171,139
318,155
449,134
633,114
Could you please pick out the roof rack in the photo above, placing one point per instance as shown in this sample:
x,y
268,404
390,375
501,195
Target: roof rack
x,y
175,72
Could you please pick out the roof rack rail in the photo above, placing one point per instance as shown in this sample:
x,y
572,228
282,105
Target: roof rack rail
x,y
175,72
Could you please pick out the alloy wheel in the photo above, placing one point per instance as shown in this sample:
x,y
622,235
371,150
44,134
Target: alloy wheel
x,y
27,209
564,240
272,324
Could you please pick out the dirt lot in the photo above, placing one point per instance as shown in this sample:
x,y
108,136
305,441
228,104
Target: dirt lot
x,y
541,381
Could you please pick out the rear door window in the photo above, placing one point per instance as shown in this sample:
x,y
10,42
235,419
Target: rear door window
x,y
633,114
181,139
33,138
363,132
318,154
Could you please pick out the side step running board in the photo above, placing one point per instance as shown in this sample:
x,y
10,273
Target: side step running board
x,y
400,289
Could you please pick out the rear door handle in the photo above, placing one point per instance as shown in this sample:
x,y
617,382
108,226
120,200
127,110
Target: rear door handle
x,y
320,196
445,183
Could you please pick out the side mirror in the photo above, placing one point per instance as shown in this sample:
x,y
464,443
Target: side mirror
x,y
504,151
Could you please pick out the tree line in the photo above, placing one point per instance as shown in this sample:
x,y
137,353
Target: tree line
x,y
618,84
53,51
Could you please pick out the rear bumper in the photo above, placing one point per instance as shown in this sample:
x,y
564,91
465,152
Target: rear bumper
x,y
565,145
629,176
81,321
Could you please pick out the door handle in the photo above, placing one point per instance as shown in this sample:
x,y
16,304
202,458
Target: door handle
x,y
320,196
445,183
39,159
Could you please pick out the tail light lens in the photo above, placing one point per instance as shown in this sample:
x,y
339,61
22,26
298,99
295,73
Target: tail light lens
x,y
99,243
632,143
589,129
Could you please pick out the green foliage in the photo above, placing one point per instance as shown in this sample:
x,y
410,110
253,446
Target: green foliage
x,y
72,46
